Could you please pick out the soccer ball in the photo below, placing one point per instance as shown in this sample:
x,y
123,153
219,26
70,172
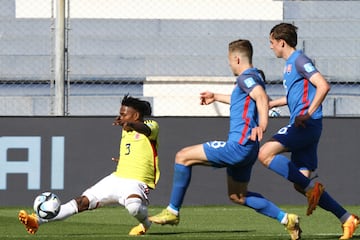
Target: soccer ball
x,y
274,112
47,205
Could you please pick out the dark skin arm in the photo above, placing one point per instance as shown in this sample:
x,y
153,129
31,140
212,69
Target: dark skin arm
x,y
137,126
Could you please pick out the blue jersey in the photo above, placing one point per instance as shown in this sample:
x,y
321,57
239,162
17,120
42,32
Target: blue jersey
x,y
300,92
243,112
238,154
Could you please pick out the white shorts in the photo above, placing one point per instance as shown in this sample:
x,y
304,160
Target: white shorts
x,y
115,190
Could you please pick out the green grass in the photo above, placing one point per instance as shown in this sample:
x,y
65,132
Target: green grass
x,y
205,222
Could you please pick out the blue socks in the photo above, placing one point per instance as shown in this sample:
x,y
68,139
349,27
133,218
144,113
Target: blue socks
x,y
284,167
262,205
281,165
329,204
181,181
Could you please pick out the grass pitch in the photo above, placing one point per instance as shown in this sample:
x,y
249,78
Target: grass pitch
x,y
205,222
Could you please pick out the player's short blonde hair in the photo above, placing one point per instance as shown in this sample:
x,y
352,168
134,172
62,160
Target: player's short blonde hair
x,y
242,46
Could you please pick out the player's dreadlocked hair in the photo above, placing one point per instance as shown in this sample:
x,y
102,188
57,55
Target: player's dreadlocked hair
x,y
143,107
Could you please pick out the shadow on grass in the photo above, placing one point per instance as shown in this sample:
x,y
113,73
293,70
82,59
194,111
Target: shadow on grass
x,y
152,233
248,234
328,237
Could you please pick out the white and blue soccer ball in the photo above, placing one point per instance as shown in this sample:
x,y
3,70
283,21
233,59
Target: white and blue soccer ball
x,y
47,205
274,112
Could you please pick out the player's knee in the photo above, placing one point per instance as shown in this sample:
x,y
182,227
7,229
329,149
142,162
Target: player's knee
x,y
261,156
264,158
83,203
186,156
180,157
136,208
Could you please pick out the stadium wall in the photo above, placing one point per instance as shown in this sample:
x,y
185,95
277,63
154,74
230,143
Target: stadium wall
x,y
118,47
68,154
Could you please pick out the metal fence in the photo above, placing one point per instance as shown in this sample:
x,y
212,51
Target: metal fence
x,y
166,51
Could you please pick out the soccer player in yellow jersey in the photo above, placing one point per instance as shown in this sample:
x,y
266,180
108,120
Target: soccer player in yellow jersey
x,y
137,171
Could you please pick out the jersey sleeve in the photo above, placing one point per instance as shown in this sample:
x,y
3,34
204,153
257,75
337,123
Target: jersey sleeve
x,y
248,82
305,67
154,127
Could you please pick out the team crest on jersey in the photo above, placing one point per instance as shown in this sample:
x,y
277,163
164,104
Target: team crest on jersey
x,y
309,67
249,82
288,69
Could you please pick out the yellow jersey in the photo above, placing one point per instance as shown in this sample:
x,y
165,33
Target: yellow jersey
x,y
138,156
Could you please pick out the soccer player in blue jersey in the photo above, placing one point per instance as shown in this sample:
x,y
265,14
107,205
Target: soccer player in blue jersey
x,y
137,172
248,121
305,89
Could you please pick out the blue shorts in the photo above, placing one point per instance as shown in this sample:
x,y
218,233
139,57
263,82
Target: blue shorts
x,y
237,158
302,143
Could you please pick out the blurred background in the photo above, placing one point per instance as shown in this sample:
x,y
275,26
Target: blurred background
x,y
77,58
166,51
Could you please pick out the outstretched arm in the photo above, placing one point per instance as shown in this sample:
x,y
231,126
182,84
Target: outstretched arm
x,y
207,98
138,126
277,102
